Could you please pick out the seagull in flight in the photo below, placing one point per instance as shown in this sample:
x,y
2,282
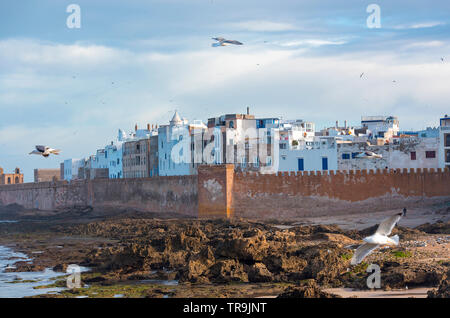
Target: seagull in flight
x,y
224,42
44,151
379,238
360,76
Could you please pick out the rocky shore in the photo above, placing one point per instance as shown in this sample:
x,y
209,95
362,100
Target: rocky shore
x,y
135,255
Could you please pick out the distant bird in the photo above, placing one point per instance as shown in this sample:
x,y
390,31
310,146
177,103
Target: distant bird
x,y
379,238
368,155
44,151
394,81
224,42
360,76
442,59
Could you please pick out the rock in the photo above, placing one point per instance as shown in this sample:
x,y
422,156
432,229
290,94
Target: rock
x,y
281,263
443,290
259,273
60,268
439,227
333,237
244,249
309,290
397,275
324,263
228,271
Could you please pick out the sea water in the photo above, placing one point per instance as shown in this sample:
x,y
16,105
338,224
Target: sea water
x,y
10,283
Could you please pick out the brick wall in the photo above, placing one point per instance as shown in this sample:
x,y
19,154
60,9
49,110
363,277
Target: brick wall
x,y
303,194
159,194
219,191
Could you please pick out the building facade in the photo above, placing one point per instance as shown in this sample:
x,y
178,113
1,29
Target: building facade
x,y
180,146
11,178
46,175
444,143
407,152
72,168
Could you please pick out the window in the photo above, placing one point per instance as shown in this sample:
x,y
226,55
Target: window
x,y
430,154
324,163
282,146
354,154
345,156
413,155
301,164
447,156
447,140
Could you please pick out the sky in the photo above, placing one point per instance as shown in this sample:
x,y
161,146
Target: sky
x,y
136,61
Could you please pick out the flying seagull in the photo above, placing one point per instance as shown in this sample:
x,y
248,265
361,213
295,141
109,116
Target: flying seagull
x,y
379,238
224,42
360,76
44,151
368,155
442,59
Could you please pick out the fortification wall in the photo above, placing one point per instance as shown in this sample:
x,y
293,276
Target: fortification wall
x,y
317,194
219,191
158,194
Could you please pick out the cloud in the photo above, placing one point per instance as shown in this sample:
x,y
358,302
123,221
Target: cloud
x,y
261,26
312,43
423,25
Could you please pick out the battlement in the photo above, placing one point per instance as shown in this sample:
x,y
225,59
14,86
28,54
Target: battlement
x,y
220,191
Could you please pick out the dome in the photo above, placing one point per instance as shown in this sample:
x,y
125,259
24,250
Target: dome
x,y
176,120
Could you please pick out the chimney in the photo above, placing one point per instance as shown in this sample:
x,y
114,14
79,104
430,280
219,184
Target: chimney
x,y
135,127
337,124
248,110
148,126
345,124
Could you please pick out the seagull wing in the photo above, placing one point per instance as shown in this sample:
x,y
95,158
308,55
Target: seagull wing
x,y
361,252
385,227
40,148
232,42
54,151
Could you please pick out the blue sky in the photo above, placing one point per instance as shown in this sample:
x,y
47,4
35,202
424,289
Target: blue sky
x,y
300,59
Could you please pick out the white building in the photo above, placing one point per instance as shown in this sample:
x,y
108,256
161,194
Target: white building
x,y
177,146
444,143
318,154
71,167
409,152
113,156
383,127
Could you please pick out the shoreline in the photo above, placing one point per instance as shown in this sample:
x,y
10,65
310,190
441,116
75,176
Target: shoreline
x,y
134,256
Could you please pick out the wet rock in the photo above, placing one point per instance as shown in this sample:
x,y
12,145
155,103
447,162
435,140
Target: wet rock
x,y
60,267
